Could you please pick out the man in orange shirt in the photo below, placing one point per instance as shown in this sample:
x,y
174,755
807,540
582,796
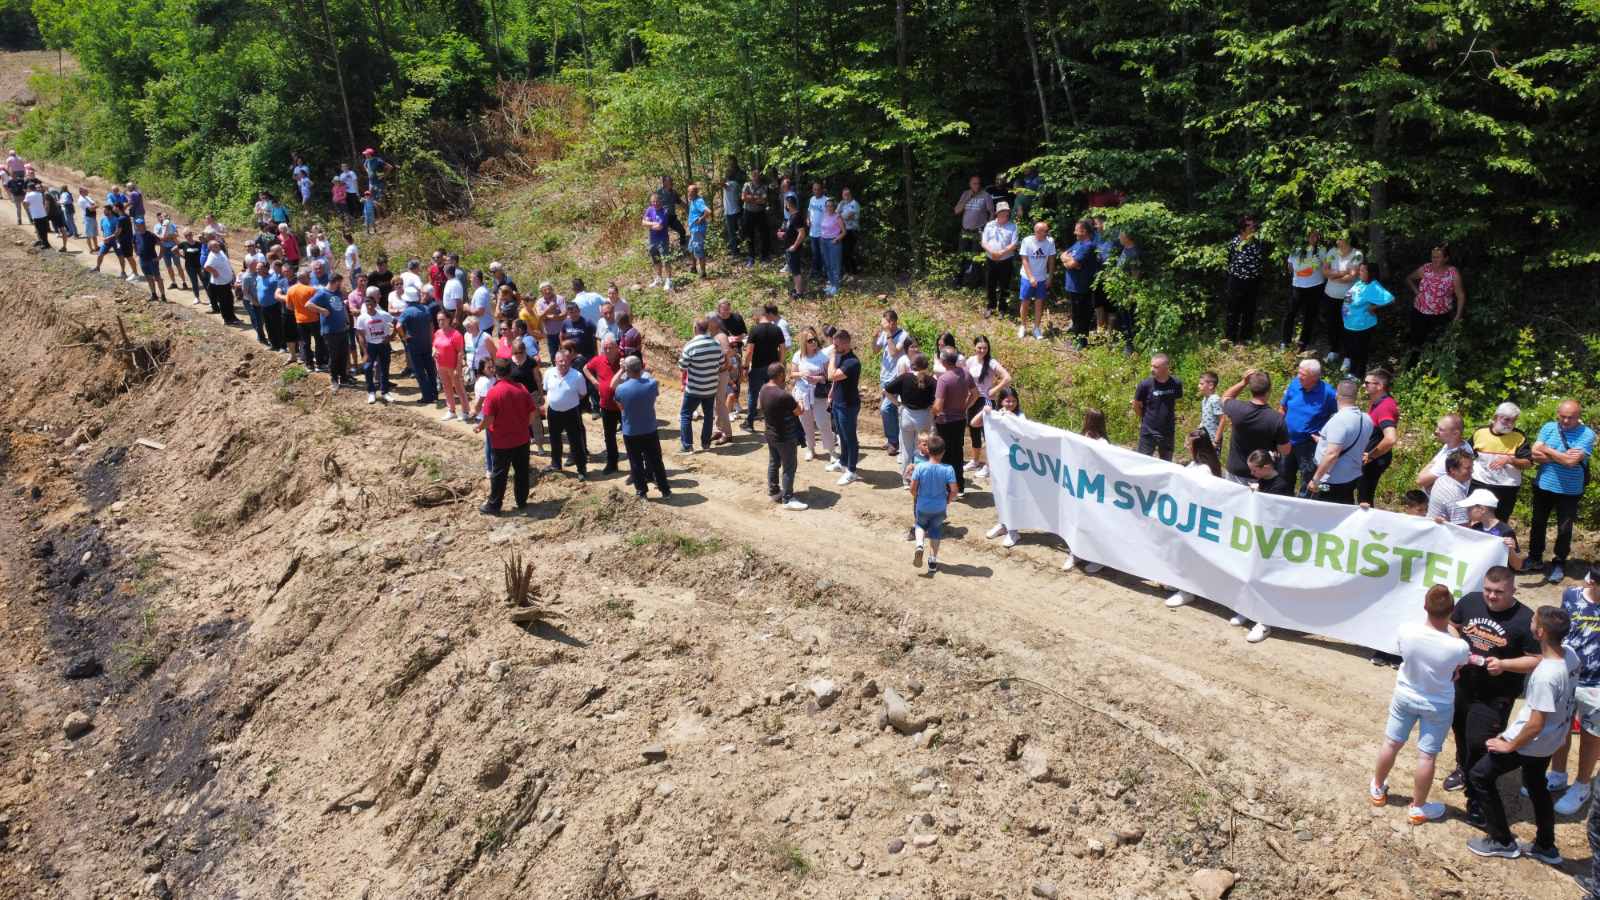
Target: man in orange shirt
x,y
306,322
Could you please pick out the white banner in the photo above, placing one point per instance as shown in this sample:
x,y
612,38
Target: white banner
x,y
1305,565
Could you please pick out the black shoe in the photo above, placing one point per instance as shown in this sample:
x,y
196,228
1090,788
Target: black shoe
x,y
609,470
933,567
1380,658
1455,781
666,495
488,510
1476,818
583,476
1550,856
551,469
1488,846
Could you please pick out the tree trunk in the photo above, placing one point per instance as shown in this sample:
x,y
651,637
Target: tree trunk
x,y
688,157
1189,148
1378,201
1033,57
588,63
1061,69
494,29
338,71
905,144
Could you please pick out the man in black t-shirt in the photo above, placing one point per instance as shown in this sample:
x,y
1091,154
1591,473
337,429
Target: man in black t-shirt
x,y
1500,632
1256,426
764,348
1155,402
844,405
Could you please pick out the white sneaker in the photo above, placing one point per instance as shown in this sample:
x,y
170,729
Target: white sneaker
x,y
845,479
1258,633
916,557
134,279
1238,621
1038,333
1344,366
1573,800
388,397
371,397
1022,331
981,472
1010,541
833,466
1092,568
795,505
669,284
1427,812
655,282
1180,598
448,415
971,464
810,456
1069,562
995,532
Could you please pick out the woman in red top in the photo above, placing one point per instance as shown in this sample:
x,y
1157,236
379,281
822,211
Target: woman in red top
x,y
448,344
1385,415
1440,299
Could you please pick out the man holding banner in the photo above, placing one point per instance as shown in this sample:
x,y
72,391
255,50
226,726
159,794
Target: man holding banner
x,y
1329,569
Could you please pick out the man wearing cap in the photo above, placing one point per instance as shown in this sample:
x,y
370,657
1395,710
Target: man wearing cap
x,y
416,329
1562,452
376,168
1000,246
1503,452
499,278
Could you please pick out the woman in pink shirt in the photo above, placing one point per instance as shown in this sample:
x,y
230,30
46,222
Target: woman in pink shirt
x,y
448,344
1440,300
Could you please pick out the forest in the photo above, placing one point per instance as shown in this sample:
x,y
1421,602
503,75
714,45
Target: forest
x,y
1403,123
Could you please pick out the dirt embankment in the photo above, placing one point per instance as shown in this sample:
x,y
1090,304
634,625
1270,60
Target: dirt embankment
x,y
275,627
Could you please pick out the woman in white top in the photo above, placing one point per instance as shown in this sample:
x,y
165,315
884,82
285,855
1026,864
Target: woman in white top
x,y
946,340
1203,455
991,378
1006,403
1339,268
352,255
809,375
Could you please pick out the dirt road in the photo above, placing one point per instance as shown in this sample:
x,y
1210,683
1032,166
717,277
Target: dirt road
x,y
1291,724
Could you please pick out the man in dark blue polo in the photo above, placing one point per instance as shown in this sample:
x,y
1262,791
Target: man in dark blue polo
x,y
1308,403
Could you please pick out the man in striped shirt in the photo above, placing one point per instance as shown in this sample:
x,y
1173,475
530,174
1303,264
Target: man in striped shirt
x,y
701,362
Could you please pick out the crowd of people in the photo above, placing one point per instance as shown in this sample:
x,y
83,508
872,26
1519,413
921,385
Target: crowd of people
x,y
524,368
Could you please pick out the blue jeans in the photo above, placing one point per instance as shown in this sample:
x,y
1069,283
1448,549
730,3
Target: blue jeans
x,y
420,358
844,428
832,260
816,256
889,413
377,368
758,380
686,421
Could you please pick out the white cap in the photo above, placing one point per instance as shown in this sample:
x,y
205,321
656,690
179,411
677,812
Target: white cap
x,y
411,295
494,266
1479,497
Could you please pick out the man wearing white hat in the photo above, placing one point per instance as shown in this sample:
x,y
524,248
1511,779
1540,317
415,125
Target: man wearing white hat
x,y
1480,509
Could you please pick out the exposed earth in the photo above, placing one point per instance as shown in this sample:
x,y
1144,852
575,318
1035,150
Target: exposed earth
x,y
259,647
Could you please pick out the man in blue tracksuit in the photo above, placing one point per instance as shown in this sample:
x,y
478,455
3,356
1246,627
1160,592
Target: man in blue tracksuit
x,y
416,327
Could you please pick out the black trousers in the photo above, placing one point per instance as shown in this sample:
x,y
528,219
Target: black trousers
x,y
1483,778
41,227
782,460
313,349
338,349
1082,315
1371,474
1565,506
512,460
997,277
1303,305
611,421
1505,493
221,297
1333,317
1153,443
1339,493
1477,719
644,462
955,449
272,322
1357,349
757,240
1240,296
852,264
568,424
1425,330
673,224
1305,463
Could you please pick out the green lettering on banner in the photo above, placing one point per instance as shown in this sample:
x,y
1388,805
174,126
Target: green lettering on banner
x,y
1377,565
1437,568
1297,545
1267,540
1407,557
1239,535
1329,546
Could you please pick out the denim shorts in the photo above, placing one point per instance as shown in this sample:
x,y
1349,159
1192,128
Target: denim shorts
x,y
1039,290
932,524
1404,712
697,245
658,250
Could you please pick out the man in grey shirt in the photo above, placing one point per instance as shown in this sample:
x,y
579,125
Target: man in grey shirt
x,y
1447,491
1339,450
1538,731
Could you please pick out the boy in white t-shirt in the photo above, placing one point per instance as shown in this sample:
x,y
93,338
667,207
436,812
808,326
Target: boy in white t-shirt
x,y
1425,695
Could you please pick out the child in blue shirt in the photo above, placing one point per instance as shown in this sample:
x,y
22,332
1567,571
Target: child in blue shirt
x,y
933,484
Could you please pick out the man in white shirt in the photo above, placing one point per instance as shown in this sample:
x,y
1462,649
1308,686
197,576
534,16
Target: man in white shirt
x,y
39,214
1000,246
1448,431
1424,695
564,390
412,276
376,326
1038,265
219,285
454,294
816,207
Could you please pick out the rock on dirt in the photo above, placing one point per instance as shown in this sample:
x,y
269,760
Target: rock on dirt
x,y
897,713
654,753
76,725
1036,765
1045,888
84,665
1211,884
825,692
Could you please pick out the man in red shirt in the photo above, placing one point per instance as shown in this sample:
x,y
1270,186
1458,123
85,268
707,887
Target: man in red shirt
x,y
508,412
437,274
601,372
